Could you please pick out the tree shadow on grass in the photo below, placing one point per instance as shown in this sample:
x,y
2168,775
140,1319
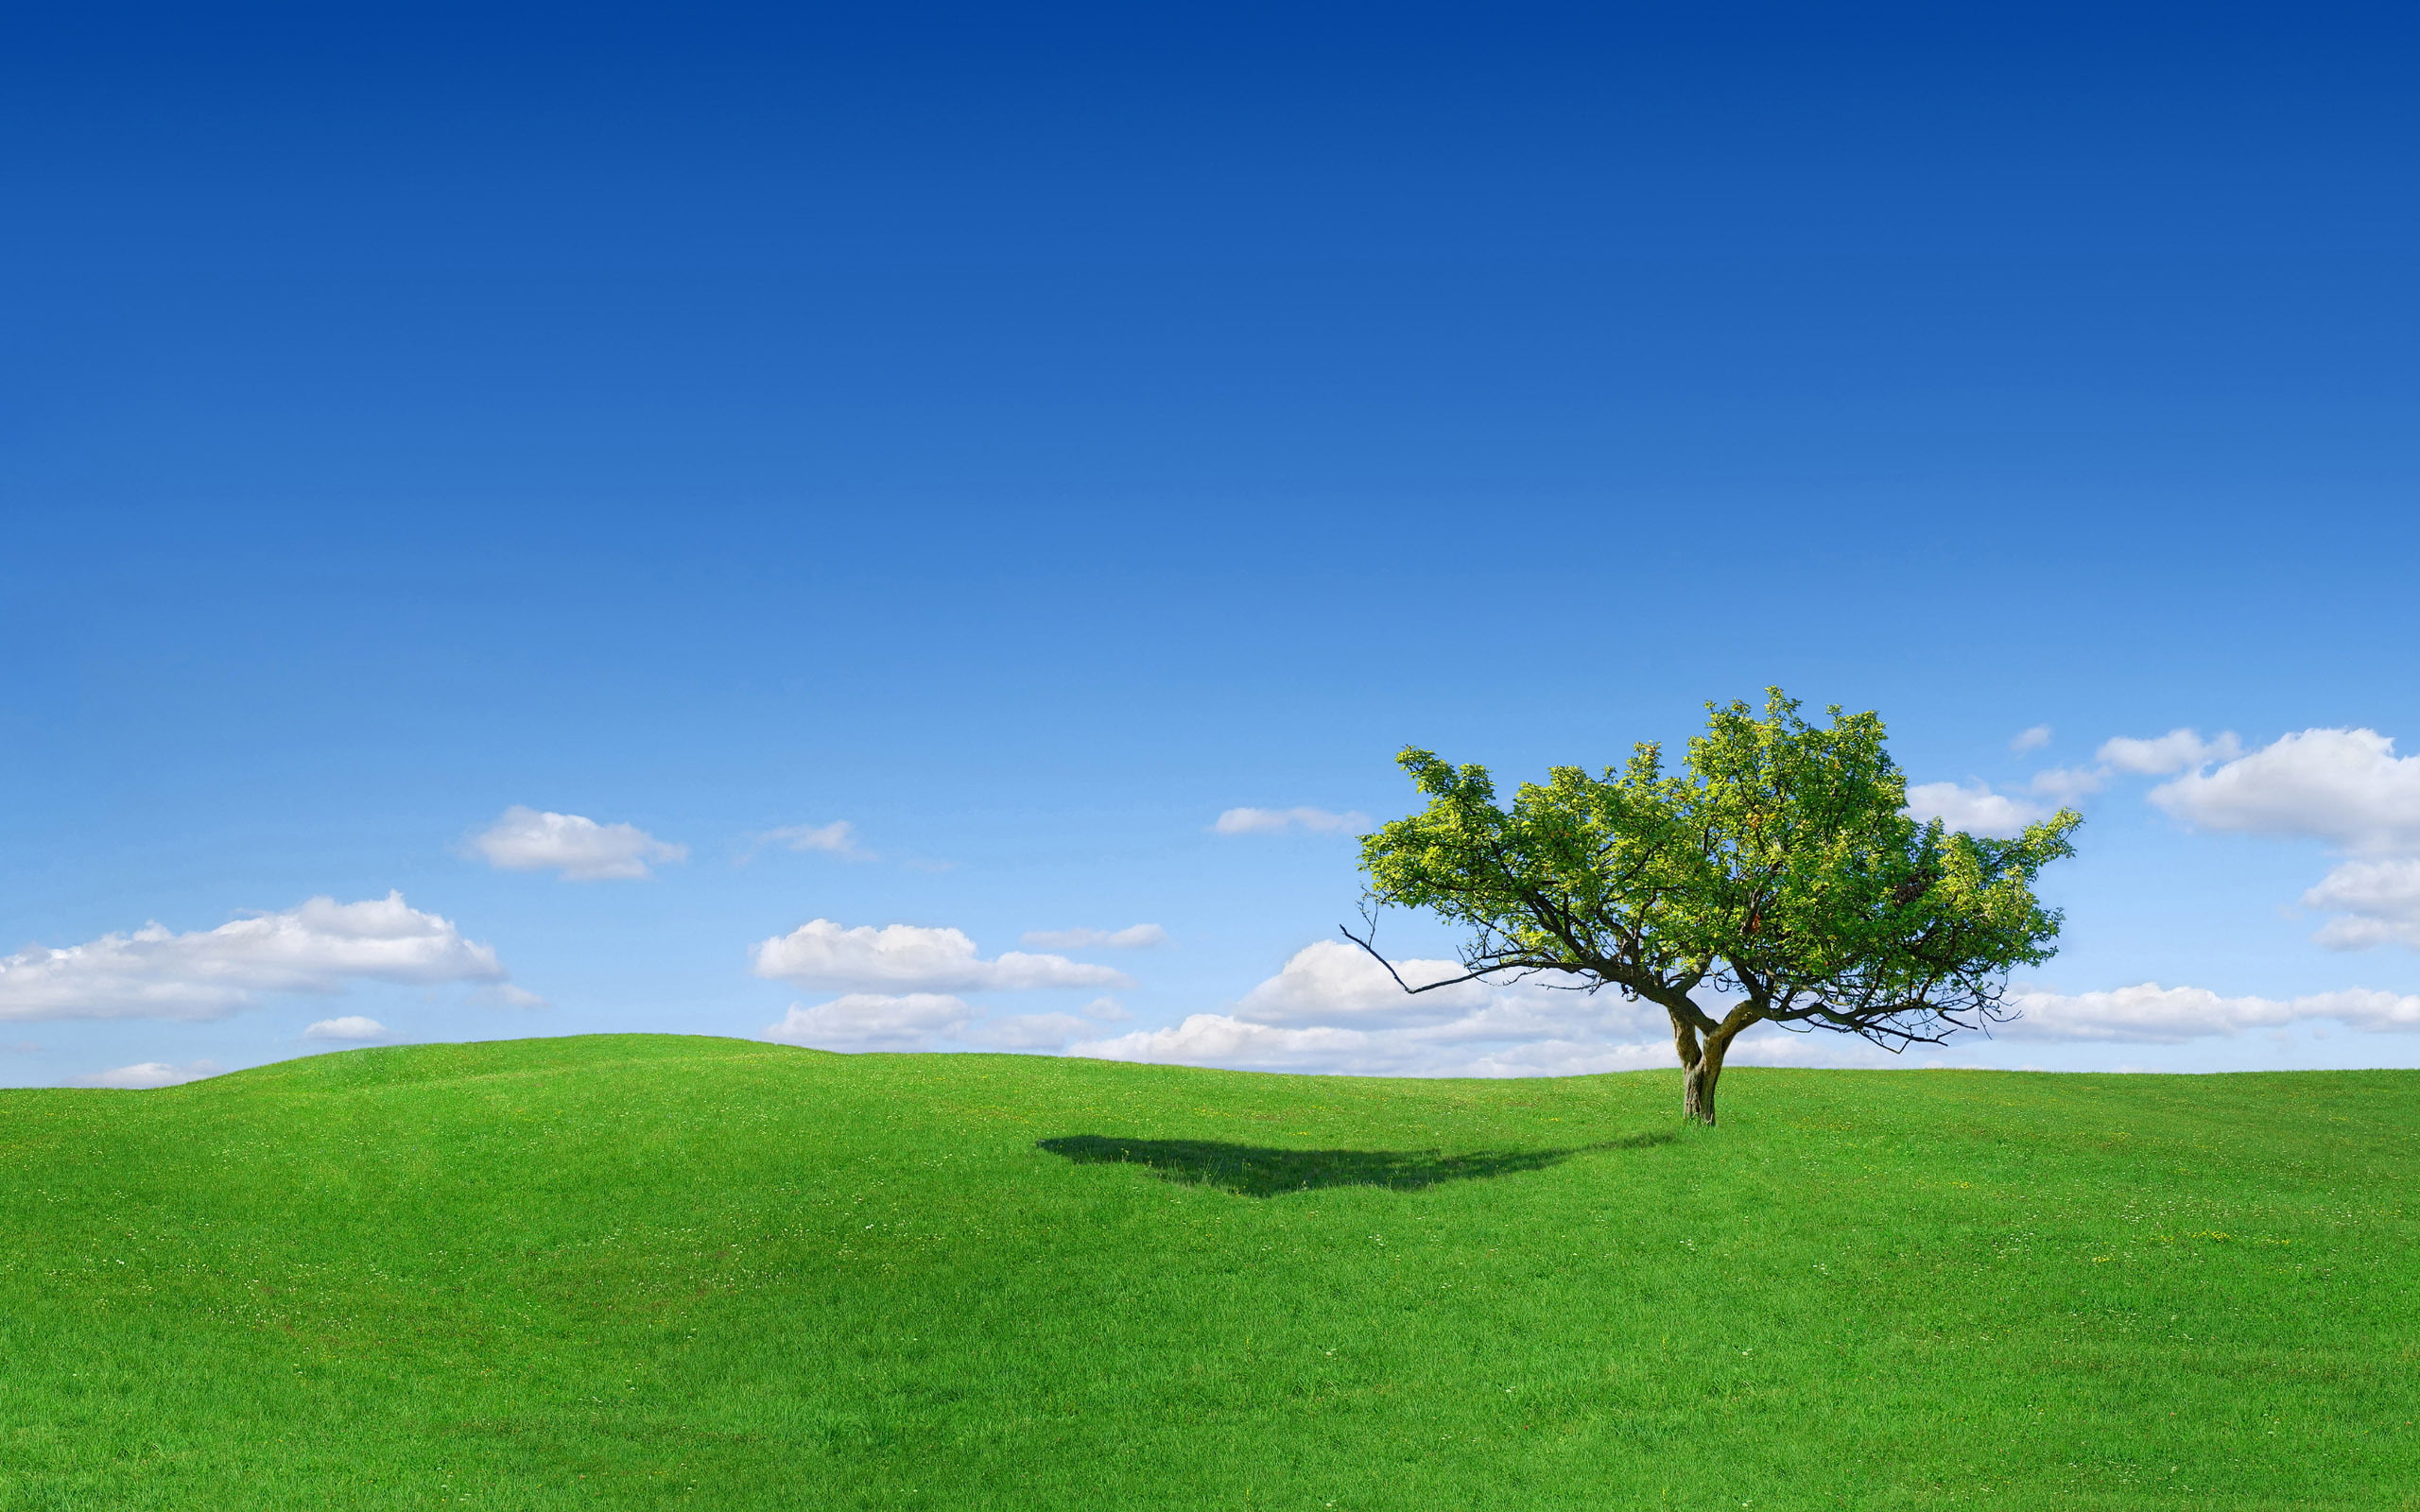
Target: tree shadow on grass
x,y
1257,1171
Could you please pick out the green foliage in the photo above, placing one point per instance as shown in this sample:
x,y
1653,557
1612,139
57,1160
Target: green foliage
x,y
656,1272
1778,867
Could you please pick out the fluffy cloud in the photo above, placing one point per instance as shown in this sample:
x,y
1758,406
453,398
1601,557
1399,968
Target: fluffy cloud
x,y
1277,821
2345,787
2178,750
904,957
872,1020
1134,937
2153,1014
2033,738
2382,900
317,947
527,839
1976,810
150,1073
838,838
1332,1008
351,1027
1331,982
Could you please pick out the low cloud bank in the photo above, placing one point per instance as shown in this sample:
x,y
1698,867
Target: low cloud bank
x,y
2151,1014
1334,1010
319,946
150,1073
912,958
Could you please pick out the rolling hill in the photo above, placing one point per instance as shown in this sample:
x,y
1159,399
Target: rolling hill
x,y
641,1271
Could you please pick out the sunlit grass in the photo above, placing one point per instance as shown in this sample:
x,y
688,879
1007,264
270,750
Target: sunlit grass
x,y
635,1271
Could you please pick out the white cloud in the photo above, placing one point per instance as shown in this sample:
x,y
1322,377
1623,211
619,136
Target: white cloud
x,y
1332,1008
905,957
1332,982
2345,787
150,1073
1976,810
1108,1010
507,995
1324,1014
2064,785
838,838
2381,898
527,839
1222,1039
1029,1031
1277,821
1529,1048
872,1020
318,946
2178,750
351,1027
2153,1014
1134,937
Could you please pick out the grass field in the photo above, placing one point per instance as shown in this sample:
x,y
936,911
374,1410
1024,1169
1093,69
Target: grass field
x,y
643,1271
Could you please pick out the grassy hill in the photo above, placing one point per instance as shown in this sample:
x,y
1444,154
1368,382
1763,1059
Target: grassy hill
x,y
643,1270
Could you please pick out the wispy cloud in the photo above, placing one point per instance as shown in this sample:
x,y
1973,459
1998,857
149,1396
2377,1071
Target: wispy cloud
x,y
573,845
838,838
1278,821
1134,937
150,1073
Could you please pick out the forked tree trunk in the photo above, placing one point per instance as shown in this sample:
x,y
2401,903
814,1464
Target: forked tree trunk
x,y
1700,1070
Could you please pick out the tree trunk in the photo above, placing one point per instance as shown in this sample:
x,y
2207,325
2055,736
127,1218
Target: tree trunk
x,y
1685,1040
1697,1077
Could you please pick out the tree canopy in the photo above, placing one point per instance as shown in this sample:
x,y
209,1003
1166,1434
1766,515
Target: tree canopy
x,y
1775,879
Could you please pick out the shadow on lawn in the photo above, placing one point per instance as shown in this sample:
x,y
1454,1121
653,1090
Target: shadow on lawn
x,y
1256,1171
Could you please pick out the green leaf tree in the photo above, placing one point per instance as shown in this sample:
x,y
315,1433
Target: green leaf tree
x,y
1775,881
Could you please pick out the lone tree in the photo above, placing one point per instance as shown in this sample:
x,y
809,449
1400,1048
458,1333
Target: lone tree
x,y
1778,872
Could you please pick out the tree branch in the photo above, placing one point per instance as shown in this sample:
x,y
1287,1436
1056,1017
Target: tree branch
x,y
1479,974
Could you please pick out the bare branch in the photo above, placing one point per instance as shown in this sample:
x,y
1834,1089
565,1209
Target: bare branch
x,y
1479,974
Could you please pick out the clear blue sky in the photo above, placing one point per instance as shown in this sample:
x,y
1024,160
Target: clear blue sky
x,y
1025,433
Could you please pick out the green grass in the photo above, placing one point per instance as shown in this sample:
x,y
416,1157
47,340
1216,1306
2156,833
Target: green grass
x,y
643,1271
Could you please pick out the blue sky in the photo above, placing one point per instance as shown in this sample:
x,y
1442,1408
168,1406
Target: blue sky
x,y
1024,437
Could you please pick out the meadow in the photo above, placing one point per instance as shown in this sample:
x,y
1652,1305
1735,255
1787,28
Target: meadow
x,y
643,1271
